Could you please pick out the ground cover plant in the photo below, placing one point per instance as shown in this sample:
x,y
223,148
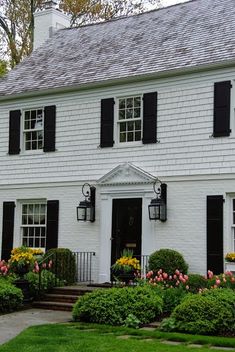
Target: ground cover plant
x,y
99,338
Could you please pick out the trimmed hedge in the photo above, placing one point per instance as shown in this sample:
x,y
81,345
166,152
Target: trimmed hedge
x,y
113,306
63,264
11,297
209,313
168,260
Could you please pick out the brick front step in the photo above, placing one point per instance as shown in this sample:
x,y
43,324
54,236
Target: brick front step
x,y
53,305
62,298
52,297
71,290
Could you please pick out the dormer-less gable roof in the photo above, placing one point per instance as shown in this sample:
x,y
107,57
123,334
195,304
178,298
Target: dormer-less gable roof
x,y
189,35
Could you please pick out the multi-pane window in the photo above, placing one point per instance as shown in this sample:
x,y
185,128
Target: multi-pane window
x,y
129,119
33,225
33,129
233,225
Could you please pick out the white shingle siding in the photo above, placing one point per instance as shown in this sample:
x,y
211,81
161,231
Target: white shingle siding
x,y
184,129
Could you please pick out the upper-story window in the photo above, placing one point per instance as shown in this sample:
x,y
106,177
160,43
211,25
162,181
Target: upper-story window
x,y
129,119
136,120
33,129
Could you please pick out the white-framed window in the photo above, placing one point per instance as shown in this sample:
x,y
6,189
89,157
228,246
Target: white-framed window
x,y
33,224
33,129
233,224
129,119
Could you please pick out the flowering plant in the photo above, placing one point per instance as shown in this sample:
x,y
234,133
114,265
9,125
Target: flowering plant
x,y
126,263
230,257
23,258
167,281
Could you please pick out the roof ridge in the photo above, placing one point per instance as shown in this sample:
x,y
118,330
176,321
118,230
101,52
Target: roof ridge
x,y
129,16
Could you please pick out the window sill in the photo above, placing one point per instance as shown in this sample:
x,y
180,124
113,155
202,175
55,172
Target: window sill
x,y
32,152
128,145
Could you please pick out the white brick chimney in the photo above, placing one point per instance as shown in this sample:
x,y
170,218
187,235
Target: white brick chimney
x,y
47,22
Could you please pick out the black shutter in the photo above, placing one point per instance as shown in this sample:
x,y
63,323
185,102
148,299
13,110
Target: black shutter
x,y
7,229
49,128
222,109
107,118
52,224
215,257
150,118
14,132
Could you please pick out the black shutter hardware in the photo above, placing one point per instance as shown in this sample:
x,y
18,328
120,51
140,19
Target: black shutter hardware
x,y
215,257
7,229
14,132
222,109
49,128
150,118
52,224
107,122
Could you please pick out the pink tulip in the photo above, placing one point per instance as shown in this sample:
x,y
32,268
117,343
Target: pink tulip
x,y
217,281
165,275
177,272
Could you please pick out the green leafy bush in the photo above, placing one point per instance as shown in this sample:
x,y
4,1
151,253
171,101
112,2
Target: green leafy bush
x,y
196,282
113,306
63,264
172,297
48,281
207,314
11,298
168,260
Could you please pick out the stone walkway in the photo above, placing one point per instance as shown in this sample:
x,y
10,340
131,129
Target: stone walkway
x,y
12,324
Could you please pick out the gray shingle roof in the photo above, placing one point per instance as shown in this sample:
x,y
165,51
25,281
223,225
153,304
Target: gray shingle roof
x,y
200,32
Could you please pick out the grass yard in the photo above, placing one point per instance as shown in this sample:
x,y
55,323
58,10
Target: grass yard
x,y
99,338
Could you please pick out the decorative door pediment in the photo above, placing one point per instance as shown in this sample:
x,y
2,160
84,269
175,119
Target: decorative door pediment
x,y
126,173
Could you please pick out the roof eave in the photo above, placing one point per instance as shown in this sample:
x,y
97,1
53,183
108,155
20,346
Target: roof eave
x,y
119,81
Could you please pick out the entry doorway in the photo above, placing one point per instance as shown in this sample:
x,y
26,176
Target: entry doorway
x,y
126,227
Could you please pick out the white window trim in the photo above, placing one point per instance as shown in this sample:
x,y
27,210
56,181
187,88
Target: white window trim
x,y
22,134
232,232
116,122
18,240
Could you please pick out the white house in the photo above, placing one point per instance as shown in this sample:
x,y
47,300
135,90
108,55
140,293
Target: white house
x,y
121,105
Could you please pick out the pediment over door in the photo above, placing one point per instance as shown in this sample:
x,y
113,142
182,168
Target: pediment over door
x,y
126,173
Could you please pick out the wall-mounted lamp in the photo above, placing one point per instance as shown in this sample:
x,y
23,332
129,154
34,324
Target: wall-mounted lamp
x,y
157,207
86,208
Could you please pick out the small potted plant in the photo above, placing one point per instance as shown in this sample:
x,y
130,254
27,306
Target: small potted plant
x,y
126,267
230,261
22,260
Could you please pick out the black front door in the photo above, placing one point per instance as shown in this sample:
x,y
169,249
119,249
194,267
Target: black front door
x,y
126,227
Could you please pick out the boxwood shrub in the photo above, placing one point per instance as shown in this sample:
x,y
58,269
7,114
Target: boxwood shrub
x,y
63,264
11,298
209,313
113,306
168,260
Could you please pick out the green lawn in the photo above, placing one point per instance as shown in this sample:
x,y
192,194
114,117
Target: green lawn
x,y
96,338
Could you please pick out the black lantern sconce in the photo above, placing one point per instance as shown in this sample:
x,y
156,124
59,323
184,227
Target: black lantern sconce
x,y
86,208
157,207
